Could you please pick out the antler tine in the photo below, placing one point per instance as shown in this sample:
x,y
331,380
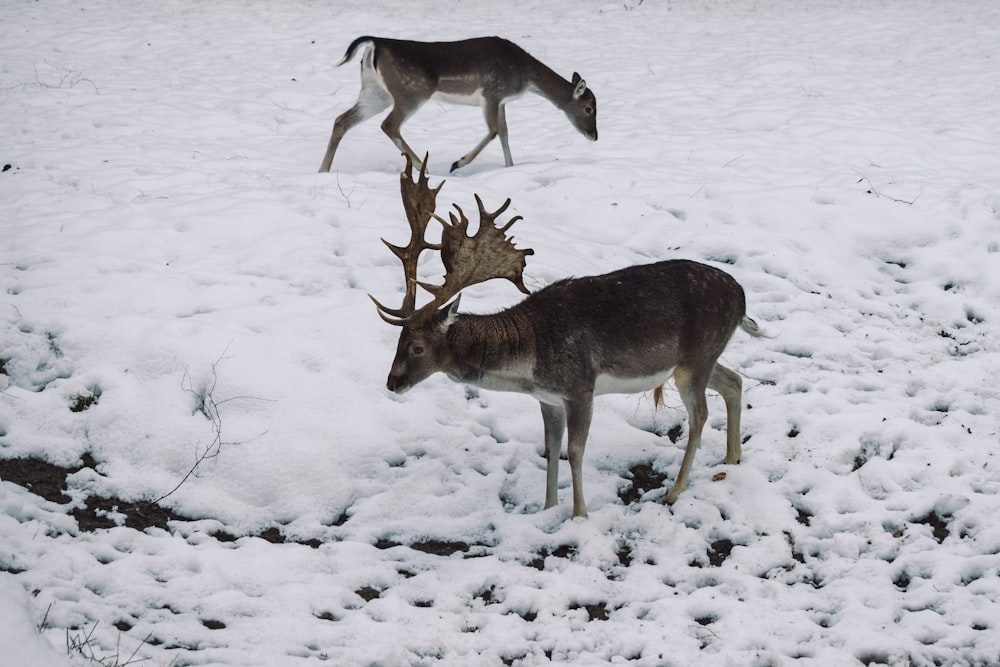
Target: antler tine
x,y
485,215
419,201
469,260
390,315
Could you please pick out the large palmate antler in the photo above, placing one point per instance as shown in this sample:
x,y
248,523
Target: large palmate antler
x,y
467,260
419,201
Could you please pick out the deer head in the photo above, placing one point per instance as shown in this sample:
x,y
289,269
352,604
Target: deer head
x,y
468,260
582,109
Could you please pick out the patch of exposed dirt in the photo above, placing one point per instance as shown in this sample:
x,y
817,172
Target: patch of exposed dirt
x,y
938,524
596,612
567,551
643,478
100,512
41,477
438,547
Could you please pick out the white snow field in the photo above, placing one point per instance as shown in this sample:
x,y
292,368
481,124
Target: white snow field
x,y
183,291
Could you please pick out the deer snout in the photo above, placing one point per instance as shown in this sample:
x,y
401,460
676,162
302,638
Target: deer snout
x,y
592,135
397,384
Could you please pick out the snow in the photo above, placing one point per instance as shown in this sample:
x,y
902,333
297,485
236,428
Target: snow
x,y
168,245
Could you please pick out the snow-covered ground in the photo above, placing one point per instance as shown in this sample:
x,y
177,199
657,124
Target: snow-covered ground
x,y
168,246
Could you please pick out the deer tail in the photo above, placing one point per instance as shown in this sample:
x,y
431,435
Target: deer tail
x,y
749,325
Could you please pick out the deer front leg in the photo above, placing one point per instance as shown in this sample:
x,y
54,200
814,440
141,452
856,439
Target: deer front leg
x,y
693,394
554,420
730,385
579,412
502,132
493,113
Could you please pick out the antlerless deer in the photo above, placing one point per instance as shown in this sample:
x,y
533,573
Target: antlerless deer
x,y
623,332
485,71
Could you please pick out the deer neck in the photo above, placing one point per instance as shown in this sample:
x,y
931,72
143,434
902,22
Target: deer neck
x,y
493,351
546,83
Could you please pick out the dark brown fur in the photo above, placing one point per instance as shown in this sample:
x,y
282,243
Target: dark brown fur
x,y
599,334
488,71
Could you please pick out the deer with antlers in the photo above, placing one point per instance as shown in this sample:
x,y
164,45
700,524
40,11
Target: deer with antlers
x,y
623,332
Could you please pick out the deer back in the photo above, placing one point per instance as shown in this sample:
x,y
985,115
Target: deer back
x,y
630,328
460,67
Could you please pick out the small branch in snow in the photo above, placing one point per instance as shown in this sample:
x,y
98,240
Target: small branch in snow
x,y
872,191
143,195
346,196
83,645
285,107
68,79
44,624
207,405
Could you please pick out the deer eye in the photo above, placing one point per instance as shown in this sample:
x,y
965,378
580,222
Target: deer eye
x,y
417,350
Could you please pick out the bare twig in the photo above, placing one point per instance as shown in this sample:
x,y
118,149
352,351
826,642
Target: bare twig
x,y
207,405
284,106
873,191
83,645
143,195
346,196
44,624
132,659
732,161
68,78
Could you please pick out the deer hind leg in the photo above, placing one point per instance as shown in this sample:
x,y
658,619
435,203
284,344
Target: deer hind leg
x,y
393,124
496,123
730,385
554,419
371,101
691,386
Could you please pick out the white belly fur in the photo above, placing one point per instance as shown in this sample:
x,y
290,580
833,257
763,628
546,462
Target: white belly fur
x,y
472,99
609,384
518,380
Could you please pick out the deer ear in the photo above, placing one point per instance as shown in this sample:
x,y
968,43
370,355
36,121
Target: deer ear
x,y
447,315
581,86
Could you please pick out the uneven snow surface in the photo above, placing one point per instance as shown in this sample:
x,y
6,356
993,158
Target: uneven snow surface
x,y
168,251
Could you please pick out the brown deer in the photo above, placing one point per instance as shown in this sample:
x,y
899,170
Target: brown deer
x,y
485,71
623,332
